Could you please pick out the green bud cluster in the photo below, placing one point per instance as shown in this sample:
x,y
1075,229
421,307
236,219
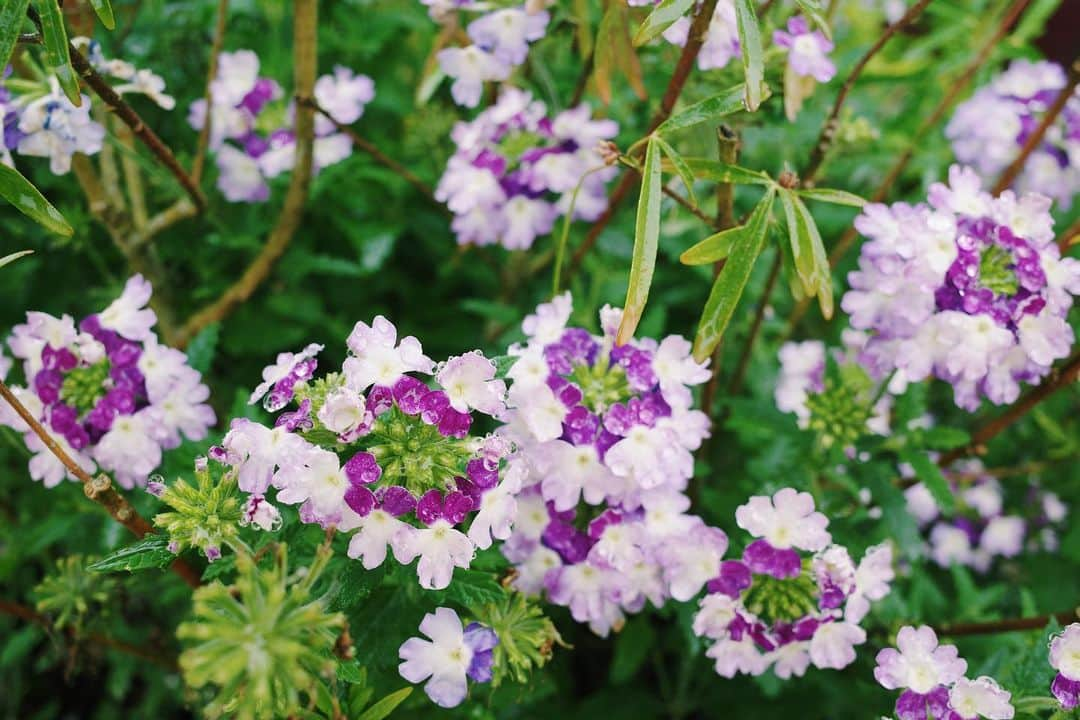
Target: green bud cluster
x,y
788,600
601,385
204,515
84,386
415,455
71,594
526,637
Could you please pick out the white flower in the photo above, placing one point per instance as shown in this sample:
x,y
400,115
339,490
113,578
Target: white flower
x,y
471,67
833,644
1065,652
508,32
343,411
546,325
236,76
691,560
950,544
469,382
786,520
128,314
317,480
572,470
650,457
444,658
537,407
1004,535
733,657
375,531
676,369
440,547
258,452
378,357
46,467
714,615
150,85
872,578
343,95
240,176
497,512
918,662
981,697
790,660
129,449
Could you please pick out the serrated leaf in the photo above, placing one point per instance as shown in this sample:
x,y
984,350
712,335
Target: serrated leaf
x,y
387,705
732,280
715,247
12,14
18,191
710,109
661,18
646,244
8,259
752,53
813,10
899,523
836,197
931,476
721,172
679,163
105,13
614,51
57,48
471,588
351,672
150,552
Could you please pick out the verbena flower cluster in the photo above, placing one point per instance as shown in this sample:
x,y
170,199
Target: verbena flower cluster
x,y
454,655
515,171
112,396
40,121
376,450
981,530
933,683
778,608
721,42
251,129
500,42
988,130
603,437
1065,658
971,289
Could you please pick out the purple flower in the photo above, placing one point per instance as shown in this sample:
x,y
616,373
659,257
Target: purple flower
x,y
807,51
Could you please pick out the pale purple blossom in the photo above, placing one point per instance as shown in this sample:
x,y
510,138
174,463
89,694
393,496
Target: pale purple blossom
x,y
808,52
453,655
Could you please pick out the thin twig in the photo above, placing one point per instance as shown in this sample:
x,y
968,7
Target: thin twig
x,y
1069,237
304,61
378,155
132,177
695,39
1010,625
203,143
142,131
1059,378
685,202
98,489
828,130
1035,138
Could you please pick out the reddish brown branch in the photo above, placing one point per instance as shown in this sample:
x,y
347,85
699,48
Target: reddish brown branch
x,y
199,164
304,52
828,130
1069,237
98,489
1059,378
1010,174
1009,625
141,130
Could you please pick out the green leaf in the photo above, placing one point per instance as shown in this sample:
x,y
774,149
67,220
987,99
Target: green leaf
x,y
351,672
898,522
752,54
931,476
660,19
808,252
945,438
836,197
646,243
732,280
813,10
615,51
721,172
503,364
471,588
680,166
18,191
12,14
632,647
150,552
715,247
710,109
203,347
8,259
104,12
57,48
387,705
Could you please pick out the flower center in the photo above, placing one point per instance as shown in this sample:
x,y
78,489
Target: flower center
x,y
84,386
601,384
788,600
414,454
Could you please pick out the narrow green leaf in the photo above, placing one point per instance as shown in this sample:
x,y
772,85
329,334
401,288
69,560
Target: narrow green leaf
x,y
715,247
203,347
615,51
721,172
646,243
503,364
752,54
823,270
12,14
713,108
8,259
684,171
56,48
584,28
945,438
801,244
931,476
150,552
104,12
387,705
660,19
836,197
18,191
732,280
813,10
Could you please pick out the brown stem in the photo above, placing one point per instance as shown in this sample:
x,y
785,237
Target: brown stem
x,y
378,155
1069,237
685,202
1010,625
304,54
828,130
755,327
98,489
154,655
1059,378
203,144
1010,174
142,131
956,87
695,39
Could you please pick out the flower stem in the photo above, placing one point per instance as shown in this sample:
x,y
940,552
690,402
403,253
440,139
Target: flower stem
x,y
1009,625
